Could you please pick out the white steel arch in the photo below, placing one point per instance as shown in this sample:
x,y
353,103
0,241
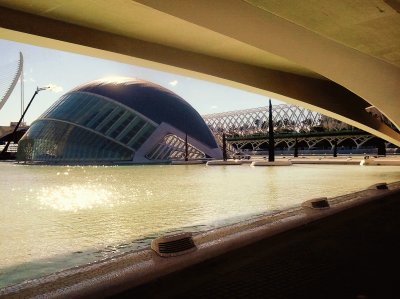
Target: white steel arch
x,y
11,72
248,128
286,118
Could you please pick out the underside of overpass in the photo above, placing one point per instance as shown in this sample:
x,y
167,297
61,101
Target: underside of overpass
x,y
334,57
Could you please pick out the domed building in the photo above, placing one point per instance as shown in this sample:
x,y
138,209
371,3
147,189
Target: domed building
x,y
125,120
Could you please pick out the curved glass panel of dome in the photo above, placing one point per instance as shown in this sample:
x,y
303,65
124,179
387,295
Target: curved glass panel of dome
x,y
102,130
54,141
104,116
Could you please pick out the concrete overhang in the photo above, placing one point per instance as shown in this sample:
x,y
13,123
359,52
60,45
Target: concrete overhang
x,y
337,58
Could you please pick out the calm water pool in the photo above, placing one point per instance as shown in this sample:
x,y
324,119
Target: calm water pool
x,y
56,217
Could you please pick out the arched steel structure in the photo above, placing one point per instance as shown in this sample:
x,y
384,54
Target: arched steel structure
x,y
286,118
248,129
310,142
9,76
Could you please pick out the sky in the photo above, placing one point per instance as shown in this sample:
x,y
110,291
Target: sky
x,y
64,71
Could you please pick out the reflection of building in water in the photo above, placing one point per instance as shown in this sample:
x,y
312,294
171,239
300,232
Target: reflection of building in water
x,y
125,120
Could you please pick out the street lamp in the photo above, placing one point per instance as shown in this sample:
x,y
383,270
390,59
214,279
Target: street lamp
x,y
3,153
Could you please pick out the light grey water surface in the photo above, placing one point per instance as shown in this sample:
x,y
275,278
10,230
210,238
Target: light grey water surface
x,y
56,217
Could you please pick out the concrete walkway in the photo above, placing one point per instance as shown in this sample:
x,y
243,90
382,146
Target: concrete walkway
x,y
390,160
354,254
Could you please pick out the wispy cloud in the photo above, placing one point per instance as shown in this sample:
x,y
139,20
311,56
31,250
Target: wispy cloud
x,y
54,88
214,107
173,83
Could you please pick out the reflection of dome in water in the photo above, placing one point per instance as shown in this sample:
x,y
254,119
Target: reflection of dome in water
x,y
118,120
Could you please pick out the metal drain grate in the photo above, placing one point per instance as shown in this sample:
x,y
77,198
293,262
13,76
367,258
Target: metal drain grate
x,y
379,186
319,203
173,245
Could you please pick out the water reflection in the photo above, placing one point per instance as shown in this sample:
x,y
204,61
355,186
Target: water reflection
x,y
60,216
76,197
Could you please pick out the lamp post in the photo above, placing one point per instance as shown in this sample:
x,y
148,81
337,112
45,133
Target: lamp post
x,y
3,153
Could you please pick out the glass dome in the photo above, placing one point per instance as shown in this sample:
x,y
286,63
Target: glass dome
x,y
120,120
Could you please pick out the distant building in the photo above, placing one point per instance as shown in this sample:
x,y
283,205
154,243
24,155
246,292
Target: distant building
x,y
6,131
124,120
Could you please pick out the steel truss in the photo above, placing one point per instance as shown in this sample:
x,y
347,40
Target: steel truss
x,y
286,118
292,120
311,142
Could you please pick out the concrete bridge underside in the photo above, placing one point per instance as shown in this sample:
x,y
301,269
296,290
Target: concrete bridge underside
x,y
334,57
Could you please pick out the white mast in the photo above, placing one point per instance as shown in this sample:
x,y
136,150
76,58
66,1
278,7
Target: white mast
x,y
22,85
